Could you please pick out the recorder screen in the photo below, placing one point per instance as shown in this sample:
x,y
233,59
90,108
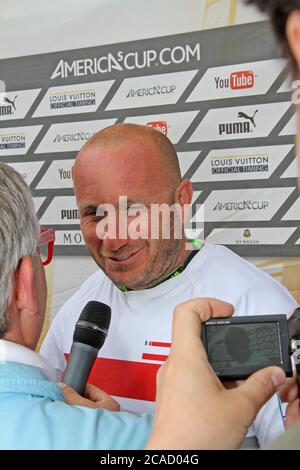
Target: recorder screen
x,y
246,344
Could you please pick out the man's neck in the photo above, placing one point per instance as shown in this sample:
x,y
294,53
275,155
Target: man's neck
x,y
186,249
14,335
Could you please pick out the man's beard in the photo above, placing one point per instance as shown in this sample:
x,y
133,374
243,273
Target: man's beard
x,y
164,258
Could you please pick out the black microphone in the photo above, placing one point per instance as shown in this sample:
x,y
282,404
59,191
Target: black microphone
x,y
89,336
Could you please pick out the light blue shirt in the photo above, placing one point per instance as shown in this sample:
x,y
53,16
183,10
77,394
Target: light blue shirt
x,y
33,415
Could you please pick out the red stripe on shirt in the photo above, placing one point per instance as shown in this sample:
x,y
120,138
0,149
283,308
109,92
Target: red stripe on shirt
x,y
160,344
127,379
154,357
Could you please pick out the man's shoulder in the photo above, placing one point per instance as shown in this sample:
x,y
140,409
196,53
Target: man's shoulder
x,y
225,268
223,261
28,379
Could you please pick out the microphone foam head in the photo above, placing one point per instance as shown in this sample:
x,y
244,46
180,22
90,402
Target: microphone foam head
x,y
92,325
97,313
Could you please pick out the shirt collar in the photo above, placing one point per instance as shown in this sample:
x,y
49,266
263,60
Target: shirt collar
x,y
13,352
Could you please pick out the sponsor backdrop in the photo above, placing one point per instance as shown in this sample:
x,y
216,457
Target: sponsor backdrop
x,y
227,110
222,96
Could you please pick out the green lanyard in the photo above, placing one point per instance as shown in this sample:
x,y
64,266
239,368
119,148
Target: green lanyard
x,y
197,244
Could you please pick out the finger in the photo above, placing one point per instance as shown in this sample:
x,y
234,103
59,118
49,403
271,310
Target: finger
x,y
292,413
187,322
218,308
71,396
108,404
94,393
188,352
289,392
257,390
207,307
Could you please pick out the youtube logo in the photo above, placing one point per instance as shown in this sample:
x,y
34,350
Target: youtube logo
x,y
160,126
242,80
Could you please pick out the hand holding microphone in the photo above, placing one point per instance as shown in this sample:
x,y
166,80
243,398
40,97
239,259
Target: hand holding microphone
x,y
94,397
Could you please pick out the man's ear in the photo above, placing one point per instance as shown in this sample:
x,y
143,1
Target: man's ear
x,y
24,290
183,196
293,34
184,192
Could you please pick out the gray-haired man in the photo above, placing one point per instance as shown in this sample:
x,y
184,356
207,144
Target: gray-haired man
x,y
29,399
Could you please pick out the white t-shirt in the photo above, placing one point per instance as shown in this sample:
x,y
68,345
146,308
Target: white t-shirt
x,y
140,331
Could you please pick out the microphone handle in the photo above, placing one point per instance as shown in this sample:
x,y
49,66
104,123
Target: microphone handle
x,y
81,361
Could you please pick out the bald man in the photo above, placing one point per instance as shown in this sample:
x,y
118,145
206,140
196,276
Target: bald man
x,y
121,175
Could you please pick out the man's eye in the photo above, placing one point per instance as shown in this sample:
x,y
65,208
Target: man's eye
x,y
99,215
136,209
90,213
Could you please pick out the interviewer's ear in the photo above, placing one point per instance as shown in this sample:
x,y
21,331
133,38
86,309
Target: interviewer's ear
x,y
24,289
293,34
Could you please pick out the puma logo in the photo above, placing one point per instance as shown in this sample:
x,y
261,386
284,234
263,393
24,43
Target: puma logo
x,y
241,127
245,116
12,102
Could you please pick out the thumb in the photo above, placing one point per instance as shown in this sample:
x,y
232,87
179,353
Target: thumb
x,y
258,389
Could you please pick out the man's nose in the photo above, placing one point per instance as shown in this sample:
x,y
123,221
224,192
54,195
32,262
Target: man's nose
x,y
113,244
120,238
